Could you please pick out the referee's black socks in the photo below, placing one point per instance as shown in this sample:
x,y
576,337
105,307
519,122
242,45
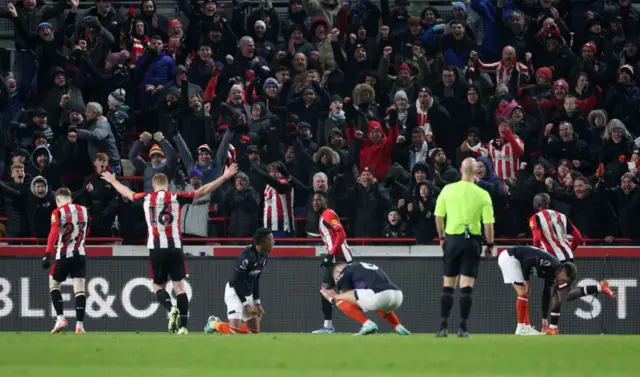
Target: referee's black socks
x,y
182,302
164,299
446,302
465,306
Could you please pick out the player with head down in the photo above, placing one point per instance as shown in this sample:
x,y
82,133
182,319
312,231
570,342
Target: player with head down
x,y
242,292
518,263
366,287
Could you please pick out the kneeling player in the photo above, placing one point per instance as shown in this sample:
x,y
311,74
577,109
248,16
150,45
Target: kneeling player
x,y
365,287
519,262
242,292
68,230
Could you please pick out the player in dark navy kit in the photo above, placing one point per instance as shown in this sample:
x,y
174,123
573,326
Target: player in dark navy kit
x,y
365,287
518,263
242,292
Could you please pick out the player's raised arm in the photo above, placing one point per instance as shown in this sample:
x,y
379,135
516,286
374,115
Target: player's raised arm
x,y
229,172
122,189
575,234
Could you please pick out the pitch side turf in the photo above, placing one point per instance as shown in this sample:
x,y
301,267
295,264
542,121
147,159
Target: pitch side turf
x,y
307,355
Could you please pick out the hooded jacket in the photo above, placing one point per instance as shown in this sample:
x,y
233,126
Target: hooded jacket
x,y
490,182
50,172
377,156
422,222
39,209
242,207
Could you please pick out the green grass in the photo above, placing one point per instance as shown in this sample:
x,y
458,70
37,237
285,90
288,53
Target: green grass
x,y
307,355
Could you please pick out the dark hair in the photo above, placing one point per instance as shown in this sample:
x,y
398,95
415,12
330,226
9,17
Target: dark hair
x,y
260,235
323,194
417,130
571,271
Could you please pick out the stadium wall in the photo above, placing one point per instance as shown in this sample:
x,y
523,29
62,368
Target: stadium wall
x,y
120,298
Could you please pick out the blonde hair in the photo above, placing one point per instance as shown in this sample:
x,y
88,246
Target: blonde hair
x,y
159,180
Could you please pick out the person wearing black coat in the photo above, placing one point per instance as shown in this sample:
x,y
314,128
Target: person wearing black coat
x,y
439,122
367,202
450,90
96,194
241,204
395,227
568,147
39,202
420,212
625,200
14,193
471,113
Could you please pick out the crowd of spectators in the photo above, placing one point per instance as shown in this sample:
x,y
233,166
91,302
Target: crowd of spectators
x,y
365,101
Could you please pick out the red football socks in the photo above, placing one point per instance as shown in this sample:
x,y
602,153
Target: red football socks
x,y
352,311
390,317
522,308
225,328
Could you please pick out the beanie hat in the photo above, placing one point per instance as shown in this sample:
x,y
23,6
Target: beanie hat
x,y
400,94
242,176
271,81
204,148
117,97
405,67
561,83
156,150
173,23
628,176
235,88
336,98
195,173
434,152
591,46
628,68
460,5
545,72
260,23
367,169
43,24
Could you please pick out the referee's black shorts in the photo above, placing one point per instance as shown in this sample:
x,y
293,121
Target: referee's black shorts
x,y
461,256
75,267
167,263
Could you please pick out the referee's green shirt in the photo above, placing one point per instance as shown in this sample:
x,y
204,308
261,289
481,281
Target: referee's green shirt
x,y
464,203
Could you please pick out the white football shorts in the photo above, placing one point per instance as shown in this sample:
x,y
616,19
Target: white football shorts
x,y
235,310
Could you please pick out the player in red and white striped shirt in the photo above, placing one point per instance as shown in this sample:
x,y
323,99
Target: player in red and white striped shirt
x,y
505,152
69,228
550,229
338,251
162,211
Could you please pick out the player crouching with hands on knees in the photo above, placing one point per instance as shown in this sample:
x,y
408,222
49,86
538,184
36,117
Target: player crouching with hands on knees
x,y
365,287
242,292
519,262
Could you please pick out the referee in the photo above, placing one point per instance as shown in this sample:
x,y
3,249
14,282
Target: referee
x,y
465,206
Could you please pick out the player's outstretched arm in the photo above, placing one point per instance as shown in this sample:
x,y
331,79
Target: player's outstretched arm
x,y
210,187
122,189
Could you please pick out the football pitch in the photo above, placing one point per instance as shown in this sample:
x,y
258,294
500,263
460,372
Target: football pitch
x,y
288,355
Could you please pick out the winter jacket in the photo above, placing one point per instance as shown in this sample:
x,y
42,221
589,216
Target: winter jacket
x,y
167,166
39,210
154,70
487,10
51,171
242,207
32,18
15,208
100,139
369,206
194,218
376,156
423,223
490,182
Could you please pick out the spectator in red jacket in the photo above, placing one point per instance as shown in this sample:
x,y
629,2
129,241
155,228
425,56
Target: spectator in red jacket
x,y
375,150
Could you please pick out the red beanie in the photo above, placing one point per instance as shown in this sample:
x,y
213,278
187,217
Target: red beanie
x,y
405,67
545,72
173,23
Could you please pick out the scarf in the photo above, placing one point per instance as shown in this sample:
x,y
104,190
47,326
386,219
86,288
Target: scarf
x,y
338,117
231,155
